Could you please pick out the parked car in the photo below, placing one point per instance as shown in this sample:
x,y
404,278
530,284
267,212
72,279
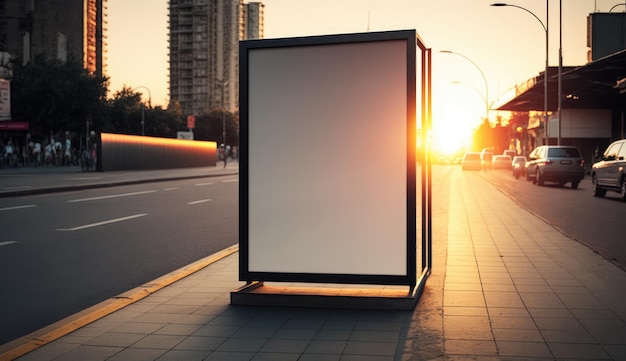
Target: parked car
x,y
501,162
486,156
471,160
510,152
607,173
518,166
555,163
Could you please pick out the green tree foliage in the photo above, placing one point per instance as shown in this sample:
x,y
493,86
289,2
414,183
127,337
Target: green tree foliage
x,y
210,126
126,110
57,96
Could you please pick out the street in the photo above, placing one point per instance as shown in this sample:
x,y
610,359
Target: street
x,y
595,222
63,252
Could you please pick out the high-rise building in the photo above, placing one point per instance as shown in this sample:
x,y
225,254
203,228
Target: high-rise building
x,y
204,51
57,29
253,20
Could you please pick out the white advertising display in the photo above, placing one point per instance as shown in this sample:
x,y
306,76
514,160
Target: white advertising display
x,y
329,162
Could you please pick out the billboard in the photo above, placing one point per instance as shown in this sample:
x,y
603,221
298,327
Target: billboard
x,y
328,159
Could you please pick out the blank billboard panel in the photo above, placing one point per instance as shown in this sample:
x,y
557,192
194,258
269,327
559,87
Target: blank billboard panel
x,y
328,158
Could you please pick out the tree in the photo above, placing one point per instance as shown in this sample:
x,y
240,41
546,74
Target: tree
x,y
57,96
125,116
210,126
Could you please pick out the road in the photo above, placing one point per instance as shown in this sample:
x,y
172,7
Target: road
x,y
596,222
61,253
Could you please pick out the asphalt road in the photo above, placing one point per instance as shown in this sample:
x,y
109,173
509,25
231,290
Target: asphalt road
x,y
595,222
61,253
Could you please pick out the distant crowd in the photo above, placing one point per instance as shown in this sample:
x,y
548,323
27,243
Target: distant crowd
x,y
52,153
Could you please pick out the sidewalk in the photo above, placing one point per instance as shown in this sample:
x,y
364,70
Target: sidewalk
x,y
505,286
30,180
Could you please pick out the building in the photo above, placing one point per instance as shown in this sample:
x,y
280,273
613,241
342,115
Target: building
x,y
204,51
57,29
253,20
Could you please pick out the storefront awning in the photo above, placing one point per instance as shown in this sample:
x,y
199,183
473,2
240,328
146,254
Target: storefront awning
x,y
589,86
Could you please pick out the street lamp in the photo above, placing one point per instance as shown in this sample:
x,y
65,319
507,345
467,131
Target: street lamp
x,y
486,97
479,94
616,5
224,83
545,73
142,108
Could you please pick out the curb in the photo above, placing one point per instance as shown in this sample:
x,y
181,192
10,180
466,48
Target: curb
x,y
68,188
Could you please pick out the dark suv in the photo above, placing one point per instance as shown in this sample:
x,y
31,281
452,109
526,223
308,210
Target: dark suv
x,y
555,163
607,173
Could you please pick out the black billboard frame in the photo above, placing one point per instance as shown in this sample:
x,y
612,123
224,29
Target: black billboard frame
x,y
413,277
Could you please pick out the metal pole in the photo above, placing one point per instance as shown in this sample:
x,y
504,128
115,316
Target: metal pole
x,y
143,107
560,91
224,82
545,72
545,78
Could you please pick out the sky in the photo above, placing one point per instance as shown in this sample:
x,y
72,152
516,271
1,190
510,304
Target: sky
x,y
505,44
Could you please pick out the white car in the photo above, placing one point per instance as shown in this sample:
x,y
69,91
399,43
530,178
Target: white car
x,y
501,162
471,160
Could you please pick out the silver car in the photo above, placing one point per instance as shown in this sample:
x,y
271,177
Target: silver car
x,y
555,163
607,173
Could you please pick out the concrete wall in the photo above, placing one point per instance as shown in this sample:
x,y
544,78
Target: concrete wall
x,y
131,152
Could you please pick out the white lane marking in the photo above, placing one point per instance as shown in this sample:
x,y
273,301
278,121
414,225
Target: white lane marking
x,y
84,178
230,180
110,196
200,201
103,223
18,207
205,184
171,188
7,243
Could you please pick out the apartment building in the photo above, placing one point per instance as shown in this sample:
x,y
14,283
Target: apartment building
x,y
204,51
57,29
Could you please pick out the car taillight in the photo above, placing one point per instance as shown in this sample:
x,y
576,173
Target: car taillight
x,y
582,162
545,162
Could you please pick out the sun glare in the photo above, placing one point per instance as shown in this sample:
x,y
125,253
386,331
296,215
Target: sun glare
x,y
452,134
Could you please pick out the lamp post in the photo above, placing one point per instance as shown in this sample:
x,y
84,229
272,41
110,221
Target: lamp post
x,y
224,83
486,97
142,108
545,73
479,94
616,5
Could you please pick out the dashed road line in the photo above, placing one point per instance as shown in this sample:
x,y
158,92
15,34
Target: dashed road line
x,y
103,223
110,196
7,243
200,201
18,207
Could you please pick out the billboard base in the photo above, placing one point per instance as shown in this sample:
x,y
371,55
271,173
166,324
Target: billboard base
x,y
397,298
